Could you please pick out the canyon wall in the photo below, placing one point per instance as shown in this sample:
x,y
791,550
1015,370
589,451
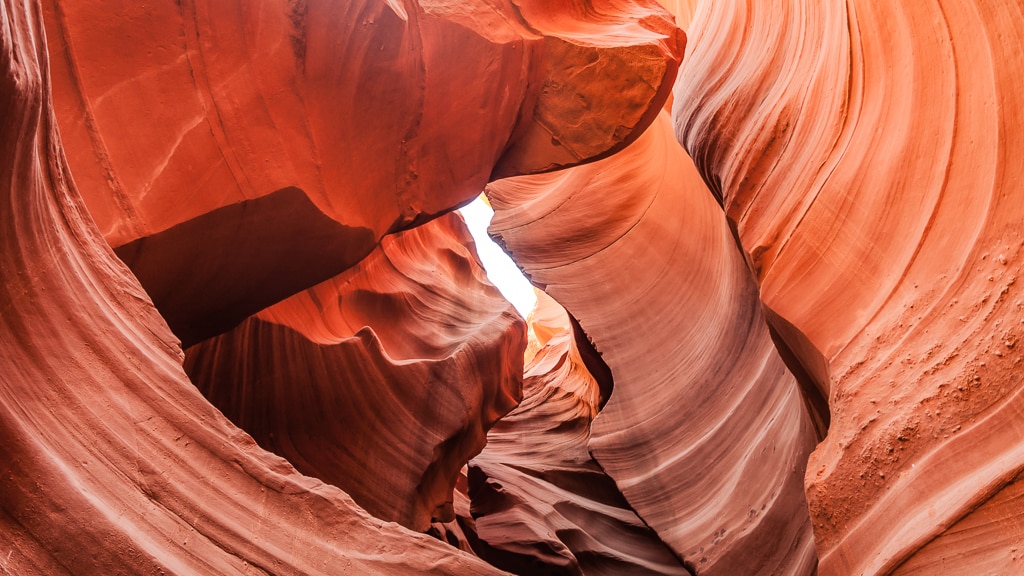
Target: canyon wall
x,y
866,155
540,502
382,381
112,460
322,125
706,433
793,331
220,147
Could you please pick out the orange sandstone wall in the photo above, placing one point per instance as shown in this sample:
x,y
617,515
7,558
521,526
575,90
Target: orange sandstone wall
x,y
207,134
112,461
705,433
540,503
234,154
867,156
382,381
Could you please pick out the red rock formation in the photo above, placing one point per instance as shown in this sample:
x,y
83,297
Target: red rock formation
x,y
238,152
705,433
112,461
541,504
382,381
348,116
461,532
682,9
867,155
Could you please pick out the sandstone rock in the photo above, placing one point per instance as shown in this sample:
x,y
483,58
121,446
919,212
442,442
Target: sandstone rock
x,y
461,532
865,154
540,502
112,462
349,116
382,381
236,153
683,10
705,433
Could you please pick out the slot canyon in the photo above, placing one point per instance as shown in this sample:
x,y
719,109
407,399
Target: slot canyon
x,y
245,329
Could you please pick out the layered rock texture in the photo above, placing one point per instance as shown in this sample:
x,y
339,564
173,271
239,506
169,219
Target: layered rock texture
x,y
541,504
867,157
706,433
112,461
382,381
791,340
321,125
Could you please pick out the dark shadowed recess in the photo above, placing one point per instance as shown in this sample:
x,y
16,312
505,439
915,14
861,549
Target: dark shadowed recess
x,y
593,361
208,274
807,365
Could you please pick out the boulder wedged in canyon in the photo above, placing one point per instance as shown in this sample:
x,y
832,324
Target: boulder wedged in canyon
x,y
867,155
382,381
352,107
706,433
112,461
540,503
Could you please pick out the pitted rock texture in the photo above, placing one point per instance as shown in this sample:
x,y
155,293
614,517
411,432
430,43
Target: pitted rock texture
x,y
246,154
112,461
705,433
382,381
867,157
350,115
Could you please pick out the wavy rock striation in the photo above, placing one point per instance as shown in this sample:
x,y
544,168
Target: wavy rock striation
x,y
112,461
382,381
540,502
706,433
348,115
867,158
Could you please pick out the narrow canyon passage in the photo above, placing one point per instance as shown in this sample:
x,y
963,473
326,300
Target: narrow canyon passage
x,y
768,320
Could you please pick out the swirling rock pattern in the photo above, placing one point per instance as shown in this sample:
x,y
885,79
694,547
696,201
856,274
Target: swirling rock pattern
x,y
112,462
236,153
345,114
540,502
382,381
867,156
706,433
265,146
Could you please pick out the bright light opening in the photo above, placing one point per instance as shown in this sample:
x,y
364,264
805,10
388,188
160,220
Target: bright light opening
x,y
501,270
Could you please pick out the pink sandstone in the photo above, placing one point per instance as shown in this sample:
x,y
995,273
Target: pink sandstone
x,y
112,461
706,432
867,157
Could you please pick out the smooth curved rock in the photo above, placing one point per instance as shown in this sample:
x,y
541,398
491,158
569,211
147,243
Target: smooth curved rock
x,y
867,155
540,502
112,461
382,381
706,433
683,10
354,105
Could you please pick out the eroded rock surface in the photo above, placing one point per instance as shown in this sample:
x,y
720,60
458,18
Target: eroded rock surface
x,y
237,153
705,433
540,502
112,461
350,116
382,381
867,156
